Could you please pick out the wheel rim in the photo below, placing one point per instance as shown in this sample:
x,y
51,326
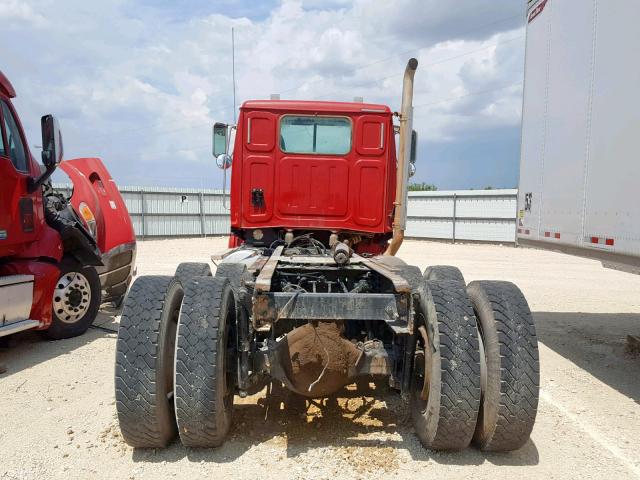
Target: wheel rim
x,y
71,297
422,372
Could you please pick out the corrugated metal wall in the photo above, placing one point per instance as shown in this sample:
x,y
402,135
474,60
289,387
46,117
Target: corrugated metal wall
x,y
473,215
477,215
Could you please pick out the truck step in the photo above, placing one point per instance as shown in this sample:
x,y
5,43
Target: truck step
x,y
16,297
16,327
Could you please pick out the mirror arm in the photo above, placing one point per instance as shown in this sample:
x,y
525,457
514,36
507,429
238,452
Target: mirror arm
x,y
34,184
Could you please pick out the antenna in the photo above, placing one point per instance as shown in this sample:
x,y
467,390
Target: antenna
x,y
233,71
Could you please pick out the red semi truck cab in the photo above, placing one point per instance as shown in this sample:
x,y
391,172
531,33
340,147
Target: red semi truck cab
x,y
60,258
326,167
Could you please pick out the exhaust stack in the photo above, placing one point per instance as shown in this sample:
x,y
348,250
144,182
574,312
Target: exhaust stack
x,y
404,154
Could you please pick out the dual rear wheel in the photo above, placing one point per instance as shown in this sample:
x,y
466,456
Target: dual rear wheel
x,y
172,361
476,371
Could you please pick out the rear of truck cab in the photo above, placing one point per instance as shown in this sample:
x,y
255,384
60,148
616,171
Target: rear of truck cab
x,y
340,180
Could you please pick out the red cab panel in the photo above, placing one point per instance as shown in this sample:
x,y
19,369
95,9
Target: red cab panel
x,y
93,185
350,190
312,186
261,131
370,135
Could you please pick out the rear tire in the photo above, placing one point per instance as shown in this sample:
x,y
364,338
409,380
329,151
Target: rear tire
x,y
444,272
187,271
510,397
412,275
445,395
145,361
76,300
233,272
203,378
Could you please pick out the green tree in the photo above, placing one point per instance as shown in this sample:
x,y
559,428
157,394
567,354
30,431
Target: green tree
x,y
422,187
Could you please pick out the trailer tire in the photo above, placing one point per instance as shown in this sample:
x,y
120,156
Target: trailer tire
x,y
443,272
75,283
445,408
203,380
187,271
510,397
145,363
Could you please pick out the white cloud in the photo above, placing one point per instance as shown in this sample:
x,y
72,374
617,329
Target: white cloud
x,y
141,88
17,10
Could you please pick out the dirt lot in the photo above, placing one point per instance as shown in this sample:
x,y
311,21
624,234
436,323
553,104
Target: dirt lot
x,y
58,414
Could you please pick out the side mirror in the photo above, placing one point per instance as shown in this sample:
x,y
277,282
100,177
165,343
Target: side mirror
x,y
223,161
52,150
220,141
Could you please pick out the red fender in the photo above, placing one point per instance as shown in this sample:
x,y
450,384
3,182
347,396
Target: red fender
x,y
93,185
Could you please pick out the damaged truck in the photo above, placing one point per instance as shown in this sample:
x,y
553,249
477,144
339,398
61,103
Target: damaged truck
x,y
311,296
60,258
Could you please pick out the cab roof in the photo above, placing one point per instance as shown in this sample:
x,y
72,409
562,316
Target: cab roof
x,y
5,86
315,106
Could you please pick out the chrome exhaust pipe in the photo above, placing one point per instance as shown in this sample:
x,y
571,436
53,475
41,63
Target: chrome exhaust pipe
x,y
404,155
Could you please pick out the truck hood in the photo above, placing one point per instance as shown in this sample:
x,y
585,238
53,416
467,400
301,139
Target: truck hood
x,y
93,185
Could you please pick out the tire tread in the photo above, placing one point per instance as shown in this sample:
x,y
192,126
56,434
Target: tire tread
x,y
136,358
460,367
519,365
199,413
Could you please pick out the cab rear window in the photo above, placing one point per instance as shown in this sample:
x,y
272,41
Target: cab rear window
x,y
311,134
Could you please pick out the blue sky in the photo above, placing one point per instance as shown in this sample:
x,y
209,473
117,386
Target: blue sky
x,y
139,83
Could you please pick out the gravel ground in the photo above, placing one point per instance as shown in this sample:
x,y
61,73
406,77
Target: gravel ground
x,y
58,414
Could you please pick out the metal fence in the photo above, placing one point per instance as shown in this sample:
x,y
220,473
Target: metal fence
x,y
461,215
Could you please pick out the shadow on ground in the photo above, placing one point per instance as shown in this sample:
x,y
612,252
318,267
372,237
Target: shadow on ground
x,y
596,343
367,430
27,349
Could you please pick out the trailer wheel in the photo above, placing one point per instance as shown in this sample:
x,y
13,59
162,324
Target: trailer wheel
x,y
443,272
144,361
187,271
204,375
76,300
445,395
510,396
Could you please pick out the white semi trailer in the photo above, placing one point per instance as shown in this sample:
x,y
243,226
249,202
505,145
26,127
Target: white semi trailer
x,y
580,166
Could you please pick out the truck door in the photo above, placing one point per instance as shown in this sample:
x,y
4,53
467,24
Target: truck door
x,y
369,170
258,167
19,209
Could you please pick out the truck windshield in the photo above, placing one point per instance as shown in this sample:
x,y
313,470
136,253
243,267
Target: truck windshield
x,y
323,135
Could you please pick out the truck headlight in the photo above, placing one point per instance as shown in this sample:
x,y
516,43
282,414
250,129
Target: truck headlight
x,y
89,219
